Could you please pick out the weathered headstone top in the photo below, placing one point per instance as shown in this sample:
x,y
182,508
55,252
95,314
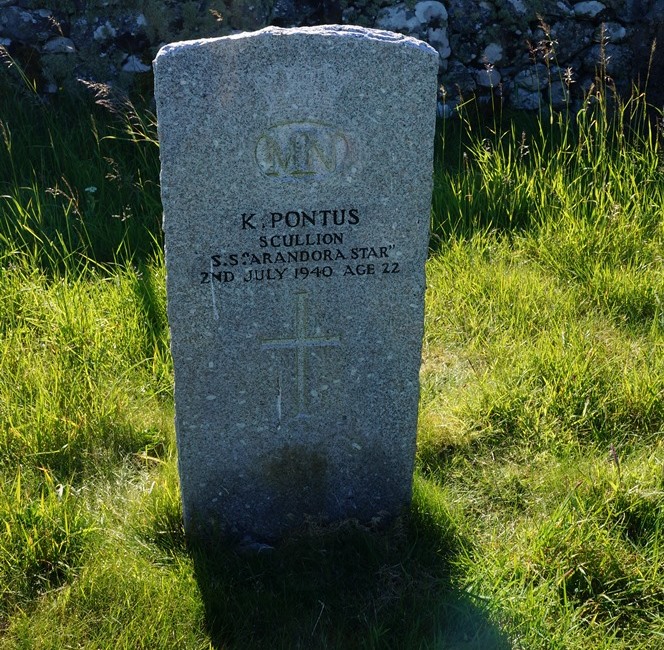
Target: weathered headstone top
x,y
296,183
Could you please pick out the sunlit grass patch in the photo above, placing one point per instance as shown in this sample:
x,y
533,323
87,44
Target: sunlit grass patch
x,y
565,568
81,358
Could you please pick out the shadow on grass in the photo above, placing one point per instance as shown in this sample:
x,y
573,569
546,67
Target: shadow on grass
x,y
347,587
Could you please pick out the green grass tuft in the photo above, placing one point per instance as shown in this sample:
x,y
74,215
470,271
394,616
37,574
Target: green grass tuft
x,y
44,533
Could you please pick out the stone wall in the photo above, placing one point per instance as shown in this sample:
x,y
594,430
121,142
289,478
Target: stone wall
x,y
531,53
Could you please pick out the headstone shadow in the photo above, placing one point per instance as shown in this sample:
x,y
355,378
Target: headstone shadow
x,y
346,586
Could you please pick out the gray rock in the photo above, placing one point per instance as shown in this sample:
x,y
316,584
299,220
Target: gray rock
x,y
134,65
59,45
525,100
431,12
25,26
519,6
611,33
469,32
438,38
447,109
296,184
137,24
464,52
533,78
563,10
559,94
459,78
572,38
493,53
105,32
617,59
487,77
284,12
589,10
465,14
398,19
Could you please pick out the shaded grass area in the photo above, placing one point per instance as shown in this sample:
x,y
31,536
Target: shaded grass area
x,y
80,180
539,493
349,587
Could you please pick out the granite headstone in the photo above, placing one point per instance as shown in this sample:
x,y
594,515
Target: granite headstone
x,y
296,183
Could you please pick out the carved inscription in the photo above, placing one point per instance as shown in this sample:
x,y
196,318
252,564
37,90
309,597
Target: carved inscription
x,y
301,150
281,246
301,245
301,343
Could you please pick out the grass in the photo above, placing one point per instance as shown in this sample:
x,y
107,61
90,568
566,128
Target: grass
x,y
538,511
77,186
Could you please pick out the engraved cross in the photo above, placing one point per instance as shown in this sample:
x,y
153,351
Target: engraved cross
x,y
300,343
